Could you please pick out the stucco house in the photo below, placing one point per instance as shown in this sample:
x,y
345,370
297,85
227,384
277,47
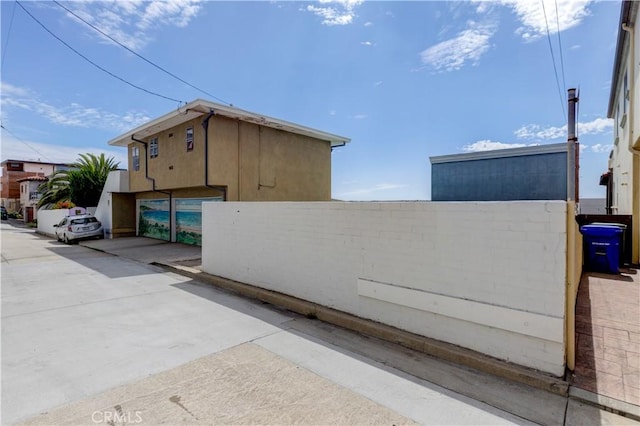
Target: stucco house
x,y
15,170
29,196
206,151
623,177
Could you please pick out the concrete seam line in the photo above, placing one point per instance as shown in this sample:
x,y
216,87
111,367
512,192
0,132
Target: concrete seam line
x,y
442,350
606,403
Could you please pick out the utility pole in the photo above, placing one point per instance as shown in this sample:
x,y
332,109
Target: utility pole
x,y
573,160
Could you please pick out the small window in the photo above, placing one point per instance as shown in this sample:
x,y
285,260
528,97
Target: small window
x,y
153,148
135,154
190,139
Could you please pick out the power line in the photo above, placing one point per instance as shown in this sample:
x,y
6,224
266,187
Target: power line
x,y
26,144
6,43
553,58
93,63
564,82
140,56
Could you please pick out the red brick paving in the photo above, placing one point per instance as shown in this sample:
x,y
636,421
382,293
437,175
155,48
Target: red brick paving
x,y
608,335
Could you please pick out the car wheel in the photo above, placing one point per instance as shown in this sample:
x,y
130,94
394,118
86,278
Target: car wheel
x,y
58,237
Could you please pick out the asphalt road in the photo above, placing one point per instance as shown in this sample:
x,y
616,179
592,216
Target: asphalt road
x,y
91,338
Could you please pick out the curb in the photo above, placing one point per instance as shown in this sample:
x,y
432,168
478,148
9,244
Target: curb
x,y
438,349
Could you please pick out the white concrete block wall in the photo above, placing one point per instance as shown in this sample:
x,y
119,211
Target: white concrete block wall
x,y
487,276
48,218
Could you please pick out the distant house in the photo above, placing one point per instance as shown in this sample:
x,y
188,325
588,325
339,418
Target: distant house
x,y
15,170
210,152
29,196
623,177
528,173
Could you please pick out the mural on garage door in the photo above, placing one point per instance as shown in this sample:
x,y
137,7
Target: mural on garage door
x,y
189,219
153,220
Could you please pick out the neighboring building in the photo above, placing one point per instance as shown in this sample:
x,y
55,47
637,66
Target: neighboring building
x,y
528,173
207,152
623,177
14,170
29,196
593,206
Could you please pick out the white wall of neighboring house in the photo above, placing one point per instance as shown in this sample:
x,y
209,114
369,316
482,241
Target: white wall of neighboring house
x,y
117,181
621,158
48,218
487,276
47,169
621,161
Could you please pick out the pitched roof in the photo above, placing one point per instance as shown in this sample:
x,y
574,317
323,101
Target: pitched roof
x,y
200,107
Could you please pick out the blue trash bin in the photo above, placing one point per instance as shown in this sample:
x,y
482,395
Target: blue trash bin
x,y
602,248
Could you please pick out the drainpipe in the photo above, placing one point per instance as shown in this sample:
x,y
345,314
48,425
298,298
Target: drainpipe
x,y
635,194
205,125
153,182
574,149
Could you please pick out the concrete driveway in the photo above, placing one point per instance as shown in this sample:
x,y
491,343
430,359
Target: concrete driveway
x,y
93,338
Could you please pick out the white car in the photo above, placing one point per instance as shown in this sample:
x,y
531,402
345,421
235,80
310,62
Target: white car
x,y
74,228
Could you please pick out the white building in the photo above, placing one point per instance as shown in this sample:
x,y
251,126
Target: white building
x,y
623,179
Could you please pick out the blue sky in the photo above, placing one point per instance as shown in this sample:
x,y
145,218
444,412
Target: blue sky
x,y
403,80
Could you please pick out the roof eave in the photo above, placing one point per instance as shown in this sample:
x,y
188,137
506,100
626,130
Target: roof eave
x,y
628,11
200,107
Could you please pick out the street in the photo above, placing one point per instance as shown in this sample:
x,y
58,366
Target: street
x,y
92,338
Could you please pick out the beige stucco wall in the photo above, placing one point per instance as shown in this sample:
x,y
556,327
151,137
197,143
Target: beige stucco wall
x,y
255,163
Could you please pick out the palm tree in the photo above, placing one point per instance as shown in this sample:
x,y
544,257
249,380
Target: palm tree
x,y
54,190
88,178
82,184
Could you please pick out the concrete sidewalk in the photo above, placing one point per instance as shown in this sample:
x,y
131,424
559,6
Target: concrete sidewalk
x,y
147,250
91,338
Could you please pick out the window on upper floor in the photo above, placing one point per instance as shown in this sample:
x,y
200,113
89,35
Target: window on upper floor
x,y
135,155
153,148
189,139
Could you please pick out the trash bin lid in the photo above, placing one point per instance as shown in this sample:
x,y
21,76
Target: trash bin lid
x,y
617,225
600,230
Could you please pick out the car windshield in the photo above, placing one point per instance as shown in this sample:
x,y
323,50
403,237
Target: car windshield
x,y
84,220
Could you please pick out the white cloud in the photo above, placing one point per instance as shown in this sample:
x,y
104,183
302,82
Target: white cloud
x,y
18,149
370,190
366,43
532,16
467,47
377,83
599,125
575,47
332,112
335,12
368,24
131,22
73,115
535,131
601,148
489,145
360,116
